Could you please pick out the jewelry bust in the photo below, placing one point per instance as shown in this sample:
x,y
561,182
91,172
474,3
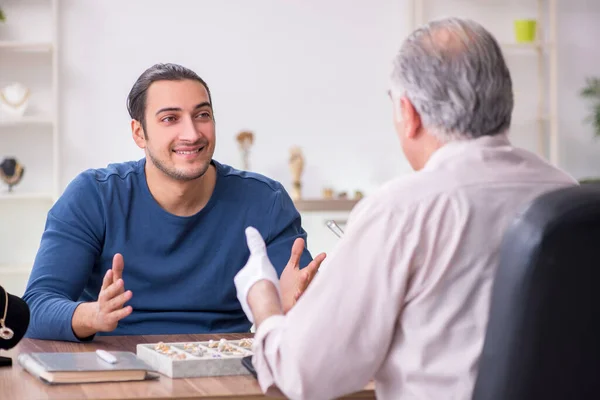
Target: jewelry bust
x,y
14,322
5,332
11,172
14,99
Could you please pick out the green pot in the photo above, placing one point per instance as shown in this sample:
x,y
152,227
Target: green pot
x,y
525,30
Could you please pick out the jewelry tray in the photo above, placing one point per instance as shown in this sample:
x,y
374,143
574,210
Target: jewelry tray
x,y
197,359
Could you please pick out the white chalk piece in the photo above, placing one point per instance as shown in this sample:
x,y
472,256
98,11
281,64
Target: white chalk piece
x,y
106,356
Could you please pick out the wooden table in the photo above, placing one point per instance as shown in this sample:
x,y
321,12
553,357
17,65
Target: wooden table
x,y
15,383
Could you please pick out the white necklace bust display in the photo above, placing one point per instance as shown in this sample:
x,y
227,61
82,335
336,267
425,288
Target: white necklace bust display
x,y
14,100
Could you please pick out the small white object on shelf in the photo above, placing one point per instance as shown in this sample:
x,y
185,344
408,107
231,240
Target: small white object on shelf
x,y
14,99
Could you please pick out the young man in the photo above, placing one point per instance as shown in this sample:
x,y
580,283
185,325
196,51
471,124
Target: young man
x,y
404,296
152,246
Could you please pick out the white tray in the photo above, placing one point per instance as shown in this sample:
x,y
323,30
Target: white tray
x,y
180,360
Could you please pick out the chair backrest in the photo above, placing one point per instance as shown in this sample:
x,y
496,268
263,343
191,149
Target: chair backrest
x,y
543,334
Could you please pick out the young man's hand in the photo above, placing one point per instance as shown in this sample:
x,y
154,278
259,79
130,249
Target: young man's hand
x,y
294,281
104,315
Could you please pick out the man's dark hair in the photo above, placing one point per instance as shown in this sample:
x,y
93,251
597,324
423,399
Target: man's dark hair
x,y
136,100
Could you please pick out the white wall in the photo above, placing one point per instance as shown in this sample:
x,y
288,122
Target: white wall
x,y
310,73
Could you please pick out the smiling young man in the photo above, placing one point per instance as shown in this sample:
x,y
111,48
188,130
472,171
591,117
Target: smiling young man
x,y
152,246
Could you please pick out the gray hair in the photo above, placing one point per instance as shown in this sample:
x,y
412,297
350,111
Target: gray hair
x,y
453,72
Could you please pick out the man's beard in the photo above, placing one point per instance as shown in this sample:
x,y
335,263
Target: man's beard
x,y
174,173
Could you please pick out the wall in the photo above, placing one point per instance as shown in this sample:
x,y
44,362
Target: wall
x,y
308,73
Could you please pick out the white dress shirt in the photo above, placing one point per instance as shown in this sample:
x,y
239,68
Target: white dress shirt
x,y
403,298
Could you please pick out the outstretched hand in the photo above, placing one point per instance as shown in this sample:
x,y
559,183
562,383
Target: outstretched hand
x,y
112,298
294,281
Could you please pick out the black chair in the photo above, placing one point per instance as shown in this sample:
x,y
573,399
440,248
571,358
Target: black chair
x,y
543,335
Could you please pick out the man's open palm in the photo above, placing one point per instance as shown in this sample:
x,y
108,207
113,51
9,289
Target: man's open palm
x,y
294,281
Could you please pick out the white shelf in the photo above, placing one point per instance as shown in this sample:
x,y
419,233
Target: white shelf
x,y
24,121
42,194
14,277
37,47
525,46
16,196
15,269
325,204
544,49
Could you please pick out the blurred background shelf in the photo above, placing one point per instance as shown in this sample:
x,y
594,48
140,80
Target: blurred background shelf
x,y
37,47
26,196
526,46
27,121
304,205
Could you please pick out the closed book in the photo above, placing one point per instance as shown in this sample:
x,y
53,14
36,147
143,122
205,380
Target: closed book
x,y
85,367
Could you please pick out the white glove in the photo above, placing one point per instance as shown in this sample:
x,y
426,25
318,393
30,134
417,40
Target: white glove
x,y
257,268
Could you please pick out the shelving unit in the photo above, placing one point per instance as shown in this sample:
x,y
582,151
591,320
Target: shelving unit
x,y
7,197
42,47
27,120
325,204
32,139
544,49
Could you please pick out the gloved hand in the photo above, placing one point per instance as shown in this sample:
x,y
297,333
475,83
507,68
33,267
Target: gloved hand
x,y
257,268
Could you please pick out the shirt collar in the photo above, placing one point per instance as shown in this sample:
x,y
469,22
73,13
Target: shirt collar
x,y
467,146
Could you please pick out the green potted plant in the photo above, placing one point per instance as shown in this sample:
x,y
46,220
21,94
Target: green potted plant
x,y
2,16
591,91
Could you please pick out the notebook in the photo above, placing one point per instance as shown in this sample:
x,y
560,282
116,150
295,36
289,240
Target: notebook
x,y
85,367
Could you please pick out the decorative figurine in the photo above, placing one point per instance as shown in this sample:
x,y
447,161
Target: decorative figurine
x,y
328,193
245,139
14,99
11,172
296,167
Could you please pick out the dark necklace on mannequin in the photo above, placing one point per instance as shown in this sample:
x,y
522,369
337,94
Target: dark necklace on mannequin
x,y
13,178
5,332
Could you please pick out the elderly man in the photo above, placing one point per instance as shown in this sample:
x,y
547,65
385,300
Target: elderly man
x,y
404,295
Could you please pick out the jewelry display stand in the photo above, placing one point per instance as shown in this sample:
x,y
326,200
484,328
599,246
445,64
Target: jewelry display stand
x,y
11,172
14,321
5,361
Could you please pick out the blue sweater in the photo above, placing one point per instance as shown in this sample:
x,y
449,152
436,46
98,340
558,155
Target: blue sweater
x,y
179,269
